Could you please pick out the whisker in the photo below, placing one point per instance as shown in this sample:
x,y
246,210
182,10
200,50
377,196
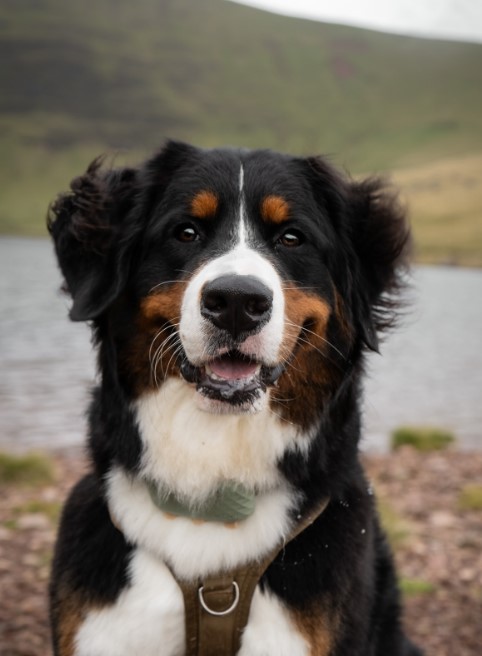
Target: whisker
x,y
323,354
174,355
189,273
323,339
158,355
160,284
282,400
152,357
289,365
159,333
297,287
326,356
281,418
153,364
163,348
155,358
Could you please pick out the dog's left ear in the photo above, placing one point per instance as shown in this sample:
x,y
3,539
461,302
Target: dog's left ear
x,y
372,230
91,242
381,244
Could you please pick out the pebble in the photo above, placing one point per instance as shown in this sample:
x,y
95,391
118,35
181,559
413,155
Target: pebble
x,y
33,520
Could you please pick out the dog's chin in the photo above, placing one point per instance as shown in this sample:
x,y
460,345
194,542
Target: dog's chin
x,y
232,383
247,406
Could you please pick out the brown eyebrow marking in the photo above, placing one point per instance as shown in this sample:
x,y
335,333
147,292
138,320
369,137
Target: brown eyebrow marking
x,y
275,209
204,205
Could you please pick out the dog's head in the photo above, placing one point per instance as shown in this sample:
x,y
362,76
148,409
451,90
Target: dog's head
x,y
256,278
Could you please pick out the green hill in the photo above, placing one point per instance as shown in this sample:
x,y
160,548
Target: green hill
x,y
80,78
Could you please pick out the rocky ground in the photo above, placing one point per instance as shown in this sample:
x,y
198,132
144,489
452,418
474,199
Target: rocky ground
x,y
437,543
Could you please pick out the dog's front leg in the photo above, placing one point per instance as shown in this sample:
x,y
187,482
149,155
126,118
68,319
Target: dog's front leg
x,y
271,630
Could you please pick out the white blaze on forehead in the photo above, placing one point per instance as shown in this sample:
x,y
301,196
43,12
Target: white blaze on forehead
x,y
241,179
242,221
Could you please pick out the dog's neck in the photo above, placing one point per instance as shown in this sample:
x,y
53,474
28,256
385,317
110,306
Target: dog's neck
x,y
232,502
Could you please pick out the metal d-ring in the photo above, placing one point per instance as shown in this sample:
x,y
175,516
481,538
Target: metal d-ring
x,y
220,613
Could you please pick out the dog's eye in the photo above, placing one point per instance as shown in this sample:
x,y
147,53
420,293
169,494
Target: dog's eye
x,y
186,233
291,239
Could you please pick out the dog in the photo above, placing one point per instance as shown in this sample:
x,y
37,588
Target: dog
x,y
233,296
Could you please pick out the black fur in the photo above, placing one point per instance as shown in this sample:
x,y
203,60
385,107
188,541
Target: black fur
x,y
113,236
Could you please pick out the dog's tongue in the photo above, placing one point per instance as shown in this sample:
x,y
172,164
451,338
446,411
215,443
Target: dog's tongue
x,y
232,368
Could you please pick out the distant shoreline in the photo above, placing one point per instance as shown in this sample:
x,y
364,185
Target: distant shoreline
x,y
447,262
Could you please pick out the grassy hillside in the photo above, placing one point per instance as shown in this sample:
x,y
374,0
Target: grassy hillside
x,y
445,202
78,79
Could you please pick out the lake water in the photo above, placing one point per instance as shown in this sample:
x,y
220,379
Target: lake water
x,y
430,370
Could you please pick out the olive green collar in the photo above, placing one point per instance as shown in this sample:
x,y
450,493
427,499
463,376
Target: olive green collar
x,y
232,502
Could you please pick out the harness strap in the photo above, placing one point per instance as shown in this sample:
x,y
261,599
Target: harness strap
x,y
216,611
217,607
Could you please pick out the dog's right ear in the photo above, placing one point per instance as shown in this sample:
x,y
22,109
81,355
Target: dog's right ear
x,y
96,225
86,225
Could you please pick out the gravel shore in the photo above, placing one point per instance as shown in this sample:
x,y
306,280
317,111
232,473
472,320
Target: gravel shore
x,y
437,545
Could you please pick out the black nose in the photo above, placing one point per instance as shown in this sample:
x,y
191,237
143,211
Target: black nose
x,y
236,303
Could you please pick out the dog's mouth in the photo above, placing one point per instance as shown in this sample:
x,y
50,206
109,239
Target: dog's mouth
x,y
232,377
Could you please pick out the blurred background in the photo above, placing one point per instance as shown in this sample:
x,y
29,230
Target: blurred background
x,y
379,87
118,77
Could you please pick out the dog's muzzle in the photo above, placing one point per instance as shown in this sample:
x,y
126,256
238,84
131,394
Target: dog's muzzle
x,y
234,308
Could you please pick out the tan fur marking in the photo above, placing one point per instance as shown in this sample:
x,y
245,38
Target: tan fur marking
x,y
204,205
302,308
150,356
72,612
165,303
310,371
318,628
231,525
68,627
275,209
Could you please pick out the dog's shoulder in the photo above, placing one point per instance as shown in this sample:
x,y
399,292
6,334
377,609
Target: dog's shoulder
x,y
81,558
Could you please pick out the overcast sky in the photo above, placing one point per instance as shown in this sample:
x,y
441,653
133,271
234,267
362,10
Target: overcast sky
x,y
452,19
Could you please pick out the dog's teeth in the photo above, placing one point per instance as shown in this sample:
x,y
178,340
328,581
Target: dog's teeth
x,y
213,376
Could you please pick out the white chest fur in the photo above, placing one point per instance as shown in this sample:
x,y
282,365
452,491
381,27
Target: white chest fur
x,y
148,620
191,452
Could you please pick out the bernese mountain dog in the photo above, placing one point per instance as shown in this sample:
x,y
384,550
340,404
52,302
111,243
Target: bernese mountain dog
x,y
232,295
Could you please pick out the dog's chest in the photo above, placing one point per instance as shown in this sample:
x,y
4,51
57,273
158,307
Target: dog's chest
x,y
147,619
